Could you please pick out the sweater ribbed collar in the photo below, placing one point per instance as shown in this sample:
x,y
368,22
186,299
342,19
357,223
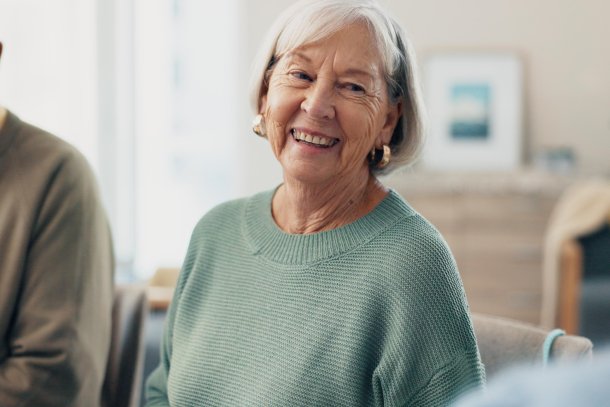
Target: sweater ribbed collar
x,y
268,240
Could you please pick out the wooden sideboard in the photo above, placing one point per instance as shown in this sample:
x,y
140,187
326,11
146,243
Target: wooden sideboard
x,y
495,226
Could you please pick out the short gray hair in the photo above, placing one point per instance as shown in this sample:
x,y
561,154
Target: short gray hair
x,y
309,21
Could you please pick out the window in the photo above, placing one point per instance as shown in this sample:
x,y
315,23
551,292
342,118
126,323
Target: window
x,y
147,90
185,122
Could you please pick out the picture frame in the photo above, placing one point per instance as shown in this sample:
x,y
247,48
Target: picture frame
x,y
474,103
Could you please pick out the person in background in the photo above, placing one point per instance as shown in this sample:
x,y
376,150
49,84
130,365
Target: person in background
x,y
329,290
581,383
56,272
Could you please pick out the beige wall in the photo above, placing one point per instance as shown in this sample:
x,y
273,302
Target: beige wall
x,y
564,44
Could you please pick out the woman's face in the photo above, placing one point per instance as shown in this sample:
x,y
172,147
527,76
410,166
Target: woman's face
x,y
327,106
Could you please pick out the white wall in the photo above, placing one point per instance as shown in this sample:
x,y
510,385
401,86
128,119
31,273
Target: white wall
x,y
48,75
565,51
60,81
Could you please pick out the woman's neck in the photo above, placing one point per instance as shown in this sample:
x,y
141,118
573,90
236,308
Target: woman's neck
x,y
301,209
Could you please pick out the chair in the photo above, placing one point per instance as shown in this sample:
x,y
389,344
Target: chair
x,y
577,249
504,342
161,288
125,361
584,286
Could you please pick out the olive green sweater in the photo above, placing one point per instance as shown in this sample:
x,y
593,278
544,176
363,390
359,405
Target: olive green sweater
x,y
369,314
56,273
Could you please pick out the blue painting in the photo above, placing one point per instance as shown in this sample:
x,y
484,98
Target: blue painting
x,y
470,111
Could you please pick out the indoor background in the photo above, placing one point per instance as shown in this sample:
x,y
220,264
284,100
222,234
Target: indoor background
x,y
155,94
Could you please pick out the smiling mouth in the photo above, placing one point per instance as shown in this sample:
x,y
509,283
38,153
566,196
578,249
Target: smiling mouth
x,y
317,141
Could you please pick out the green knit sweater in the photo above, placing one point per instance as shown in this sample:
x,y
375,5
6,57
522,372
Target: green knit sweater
x,y
369,314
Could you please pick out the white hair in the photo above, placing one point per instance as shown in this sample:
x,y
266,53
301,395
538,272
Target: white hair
x,y
308,21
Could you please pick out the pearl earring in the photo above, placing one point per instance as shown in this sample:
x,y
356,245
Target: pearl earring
x,y
258,125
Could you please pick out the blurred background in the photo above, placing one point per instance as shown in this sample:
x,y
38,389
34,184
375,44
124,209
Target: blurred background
x,y
154,93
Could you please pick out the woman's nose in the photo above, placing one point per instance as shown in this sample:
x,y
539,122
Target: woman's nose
x,y
319,100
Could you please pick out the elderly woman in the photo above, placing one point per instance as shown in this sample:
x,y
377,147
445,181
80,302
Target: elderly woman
x,y
329,290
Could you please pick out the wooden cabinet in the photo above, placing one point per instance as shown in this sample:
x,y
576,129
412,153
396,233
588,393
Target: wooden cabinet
x,y
495,226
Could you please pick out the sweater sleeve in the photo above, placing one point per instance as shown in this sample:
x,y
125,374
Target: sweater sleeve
x,y
156,385
461,375
156,388
430,355
60,334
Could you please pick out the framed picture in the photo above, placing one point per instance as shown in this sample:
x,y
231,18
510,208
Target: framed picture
x,y
474,103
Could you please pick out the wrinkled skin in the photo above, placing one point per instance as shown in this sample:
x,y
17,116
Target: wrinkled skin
x,y
336,89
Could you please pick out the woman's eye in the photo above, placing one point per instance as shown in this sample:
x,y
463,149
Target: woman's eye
x,y
353,87
302,76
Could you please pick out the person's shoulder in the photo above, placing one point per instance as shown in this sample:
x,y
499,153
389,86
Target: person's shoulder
x,y
572,383
413,237
419,253
222,224
52,168
226,209
417,259
36,139
228,214
33,145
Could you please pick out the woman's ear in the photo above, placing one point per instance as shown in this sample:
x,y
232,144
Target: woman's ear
x,y
262,104
391,119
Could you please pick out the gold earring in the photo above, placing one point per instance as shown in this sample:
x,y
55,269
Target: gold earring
x,y
258,125
384,160
387,156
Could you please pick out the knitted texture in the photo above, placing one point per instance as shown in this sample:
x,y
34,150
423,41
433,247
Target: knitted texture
x,y
369,314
